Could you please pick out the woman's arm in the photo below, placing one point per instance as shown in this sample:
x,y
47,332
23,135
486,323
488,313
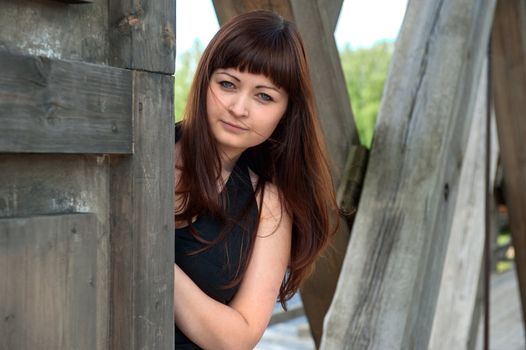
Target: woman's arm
x,y
239,325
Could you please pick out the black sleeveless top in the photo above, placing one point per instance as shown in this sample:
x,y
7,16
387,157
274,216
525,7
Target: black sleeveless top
x,y
212,269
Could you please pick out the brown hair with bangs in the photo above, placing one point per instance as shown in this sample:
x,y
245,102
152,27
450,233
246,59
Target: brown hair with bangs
x,y
294,158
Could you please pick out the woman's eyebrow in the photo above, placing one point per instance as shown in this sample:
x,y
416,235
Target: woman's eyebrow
x,y
268,87
230,75
257,87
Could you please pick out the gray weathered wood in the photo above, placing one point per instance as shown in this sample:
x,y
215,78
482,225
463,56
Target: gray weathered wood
x,y
506,325
142,35
331,10
48,269
457,300
57,106
509,89
32,185
142,226
387,292
53,29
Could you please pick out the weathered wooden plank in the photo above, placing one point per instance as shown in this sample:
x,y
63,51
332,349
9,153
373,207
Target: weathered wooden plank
x,y
142,35
32,185
48,269
52,29
142,226
387,292
509,89
457,300
331,10
58,106
506,324
226,9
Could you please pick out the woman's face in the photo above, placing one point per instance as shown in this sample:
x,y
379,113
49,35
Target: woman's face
x,y
243,109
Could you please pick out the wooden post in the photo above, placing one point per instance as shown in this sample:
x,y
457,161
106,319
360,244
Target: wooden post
x,y
142,194
457,315
509,90
388,289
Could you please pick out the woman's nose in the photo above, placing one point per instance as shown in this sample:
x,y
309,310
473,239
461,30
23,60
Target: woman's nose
x,y
239,107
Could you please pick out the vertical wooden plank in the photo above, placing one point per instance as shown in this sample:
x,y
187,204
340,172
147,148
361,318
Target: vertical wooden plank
x,y
142,222
387,291
509,89
457,300
48,293
142,35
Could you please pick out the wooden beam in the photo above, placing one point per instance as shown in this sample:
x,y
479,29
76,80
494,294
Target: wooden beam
x,y
142,35
142,226
330,9
58,106
48,267
387,292
454,323
509,89
55,30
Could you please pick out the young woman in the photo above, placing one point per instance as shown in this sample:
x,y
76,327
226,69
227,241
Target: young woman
x,y
254,202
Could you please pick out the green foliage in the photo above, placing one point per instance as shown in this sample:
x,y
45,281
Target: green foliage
x,y
365,71
184,73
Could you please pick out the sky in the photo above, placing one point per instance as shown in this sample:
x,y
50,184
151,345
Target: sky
x,y
361,22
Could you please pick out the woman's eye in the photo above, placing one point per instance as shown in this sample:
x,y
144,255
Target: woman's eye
x,y
265,97
226,84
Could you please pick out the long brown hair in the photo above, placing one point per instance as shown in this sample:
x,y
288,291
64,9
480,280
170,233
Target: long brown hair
x,y
293,158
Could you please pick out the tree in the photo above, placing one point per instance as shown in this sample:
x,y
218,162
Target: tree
x,y
186,65
365,71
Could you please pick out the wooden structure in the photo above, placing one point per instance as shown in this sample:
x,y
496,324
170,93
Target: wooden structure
x,y
86,173
86,164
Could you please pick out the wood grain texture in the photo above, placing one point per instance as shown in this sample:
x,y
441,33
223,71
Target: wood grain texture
x,y
33,185
387,292
142,35
57,106
48,293
509,89
458,301
55,30
142,227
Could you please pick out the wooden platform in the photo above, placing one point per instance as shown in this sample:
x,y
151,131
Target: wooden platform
x,y
506,324
507,331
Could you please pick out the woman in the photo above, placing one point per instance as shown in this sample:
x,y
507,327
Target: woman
x,y
254,198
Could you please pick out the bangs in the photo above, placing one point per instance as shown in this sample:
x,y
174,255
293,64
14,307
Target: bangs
x,y
259,52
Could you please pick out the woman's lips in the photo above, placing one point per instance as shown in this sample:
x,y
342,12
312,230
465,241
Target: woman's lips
x,y
233,127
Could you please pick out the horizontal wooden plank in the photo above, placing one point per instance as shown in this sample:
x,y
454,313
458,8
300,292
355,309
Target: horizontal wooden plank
x,y
58,106
56,30
48,268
